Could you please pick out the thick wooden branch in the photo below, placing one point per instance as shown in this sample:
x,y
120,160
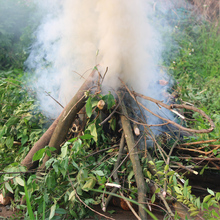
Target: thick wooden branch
x,y
41,143
141,185
68,115
54,136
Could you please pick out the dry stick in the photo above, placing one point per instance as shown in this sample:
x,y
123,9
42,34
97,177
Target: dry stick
x,y
85,203
68,115
199,142
185,167
162,152
170,107
115,175
54,99
151,164
200,158
199,151
129,205
141,185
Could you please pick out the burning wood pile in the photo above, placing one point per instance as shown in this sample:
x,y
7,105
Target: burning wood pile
x,y
132,136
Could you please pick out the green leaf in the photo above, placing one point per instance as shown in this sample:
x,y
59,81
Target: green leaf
x,y
8,187
86,137
75,165
30,211
210,192
111,212
174,180
90,183
72,195
9,142
64,151
61,211
131,174
19,181
52,211
52,149
166,168
157,190
217,196
12,121
177,189
153,198
98,172
93,131
38,155
110,101
113,123
206,199
72,140
77,145
24,139
89,107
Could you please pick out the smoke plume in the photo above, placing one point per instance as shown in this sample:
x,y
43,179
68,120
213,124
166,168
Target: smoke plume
x,y
75,35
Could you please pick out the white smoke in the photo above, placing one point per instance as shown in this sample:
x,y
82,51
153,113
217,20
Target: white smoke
x,y
73,32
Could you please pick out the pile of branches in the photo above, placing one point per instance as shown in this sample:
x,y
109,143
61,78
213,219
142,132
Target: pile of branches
x,y
132,131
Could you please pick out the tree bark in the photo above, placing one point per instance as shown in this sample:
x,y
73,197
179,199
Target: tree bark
x,y
68,115
56,133
41,143
141,185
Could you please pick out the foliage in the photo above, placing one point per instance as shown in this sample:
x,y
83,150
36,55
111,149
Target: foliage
x,y
193,61
21,123
17,22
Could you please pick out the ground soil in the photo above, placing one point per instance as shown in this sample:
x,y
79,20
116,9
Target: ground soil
x,y
6,213
121,214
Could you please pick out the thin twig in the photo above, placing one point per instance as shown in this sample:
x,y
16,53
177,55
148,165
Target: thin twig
x,y
97,152
170,107
200,158
114,173
130,207
185,167
199,142
199,151
54,99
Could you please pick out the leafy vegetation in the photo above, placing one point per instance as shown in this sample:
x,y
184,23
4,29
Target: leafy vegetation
x,y
75,177
195,68
21,123
17,22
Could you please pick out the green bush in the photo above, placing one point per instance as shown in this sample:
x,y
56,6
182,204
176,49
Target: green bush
x,y
16,27
195,68
21,123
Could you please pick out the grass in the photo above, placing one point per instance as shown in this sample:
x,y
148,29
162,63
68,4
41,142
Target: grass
x,y
195,69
